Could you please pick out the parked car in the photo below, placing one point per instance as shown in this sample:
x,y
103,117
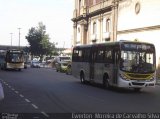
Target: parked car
x,y
35,64
61,62
69,70
61,66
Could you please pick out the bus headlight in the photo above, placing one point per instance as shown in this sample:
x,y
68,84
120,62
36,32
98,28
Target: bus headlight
x,y
124,77
151,78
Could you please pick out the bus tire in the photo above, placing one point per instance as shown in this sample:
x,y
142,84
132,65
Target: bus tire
x,y
106,82
82,78
5,67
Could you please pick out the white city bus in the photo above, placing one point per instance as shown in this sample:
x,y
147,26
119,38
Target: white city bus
x,y
121,64
12,59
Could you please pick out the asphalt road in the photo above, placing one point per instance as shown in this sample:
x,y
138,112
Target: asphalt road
x,y
45,91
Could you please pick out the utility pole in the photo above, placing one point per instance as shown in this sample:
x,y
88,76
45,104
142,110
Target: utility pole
x,y
19,37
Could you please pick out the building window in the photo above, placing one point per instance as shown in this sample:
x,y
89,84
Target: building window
x,y
80,2
137,7
108,25
94,28
79,30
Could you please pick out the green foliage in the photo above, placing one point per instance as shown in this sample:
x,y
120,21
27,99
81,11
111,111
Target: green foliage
x,y
39,41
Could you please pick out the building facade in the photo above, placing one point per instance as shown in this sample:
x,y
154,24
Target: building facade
x,y
140,20
97,21
93,21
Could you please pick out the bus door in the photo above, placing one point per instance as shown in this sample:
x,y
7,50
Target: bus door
x,y
92,63
116,55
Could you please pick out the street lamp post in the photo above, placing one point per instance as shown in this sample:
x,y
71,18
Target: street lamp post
x,y
19,37
11,39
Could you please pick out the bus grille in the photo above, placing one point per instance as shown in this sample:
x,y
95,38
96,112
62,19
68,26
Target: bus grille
x,y
139,84
133,76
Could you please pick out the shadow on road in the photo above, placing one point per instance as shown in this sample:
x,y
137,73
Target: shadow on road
x,y
114,89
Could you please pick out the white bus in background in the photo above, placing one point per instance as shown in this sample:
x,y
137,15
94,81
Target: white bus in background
x,y
12,59
120,64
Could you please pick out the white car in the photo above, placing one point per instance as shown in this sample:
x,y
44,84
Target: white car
x,y
35,64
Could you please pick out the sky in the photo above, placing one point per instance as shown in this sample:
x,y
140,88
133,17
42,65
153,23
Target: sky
x,y
56,15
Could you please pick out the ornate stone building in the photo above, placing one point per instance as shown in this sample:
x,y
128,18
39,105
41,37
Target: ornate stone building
x,y
93,21
98,21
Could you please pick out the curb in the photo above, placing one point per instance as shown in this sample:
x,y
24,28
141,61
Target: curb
x,y
158,81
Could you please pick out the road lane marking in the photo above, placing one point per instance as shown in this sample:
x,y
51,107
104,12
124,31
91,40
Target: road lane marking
x,y
27,100
16,92
9,86
21,96
34,106
95,98
45,114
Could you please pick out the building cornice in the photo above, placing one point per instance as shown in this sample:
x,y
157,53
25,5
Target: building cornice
x,y
78,18
91,14
149,28
100,11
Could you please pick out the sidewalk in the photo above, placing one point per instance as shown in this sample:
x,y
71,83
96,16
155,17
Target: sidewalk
x,y
158,76
158,81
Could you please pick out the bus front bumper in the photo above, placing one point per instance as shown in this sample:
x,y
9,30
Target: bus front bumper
x,y
15,66
136,83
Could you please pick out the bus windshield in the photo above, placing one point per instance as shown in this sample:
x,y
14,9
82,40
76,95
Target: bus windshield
x,y
15,57
137,58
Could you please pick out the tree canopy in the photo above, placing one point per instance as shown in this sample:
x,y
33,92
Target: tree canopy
x,y
39,41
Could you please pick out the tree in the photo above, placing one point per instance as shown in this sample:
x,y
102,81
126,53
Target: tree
x,y
39,41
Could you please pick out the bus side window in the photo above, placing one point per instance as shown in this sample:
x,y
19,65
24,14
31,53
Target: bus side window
x,y
116,56
80,55
75,55
108,55
93,55
86,54
100,55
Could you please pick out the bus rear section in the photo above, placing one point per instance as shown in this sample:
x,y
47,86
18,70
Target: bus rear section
x,y
81,63
95,63
14,60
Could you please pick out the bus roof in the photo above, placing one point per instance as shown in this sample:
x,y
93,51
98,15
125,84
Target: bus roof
x,y
111,43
